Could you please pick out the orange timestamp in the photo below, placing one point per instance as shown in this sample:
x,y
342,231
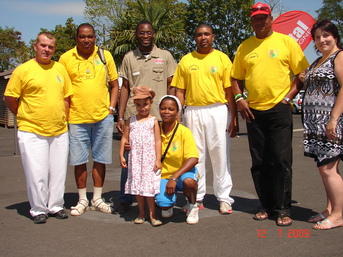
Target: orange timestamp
x,y
290,233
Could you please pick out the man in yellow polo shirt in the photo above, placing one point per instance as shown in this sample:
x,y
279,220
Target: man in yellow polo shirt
x,y
91,115
38,94
267,62
202,79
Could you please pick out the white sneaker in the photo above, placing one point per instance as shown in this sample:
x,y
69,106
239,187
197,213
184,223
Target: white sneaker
x,y
225,208
80,208
167,213
193,216
100,205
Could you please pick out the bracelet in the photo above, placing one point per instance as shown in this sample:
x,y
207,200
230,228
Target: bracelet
x,y
240,98
171,177
112,108
237,96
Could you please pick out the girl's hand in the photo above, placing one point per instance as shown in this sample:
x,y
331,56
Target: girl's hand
x,y
123,163
331,129
170,187
158,165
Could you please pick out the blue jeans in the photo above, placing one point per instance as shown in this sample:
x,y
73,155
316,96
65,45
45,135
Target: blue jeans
x,y
96,136
270,143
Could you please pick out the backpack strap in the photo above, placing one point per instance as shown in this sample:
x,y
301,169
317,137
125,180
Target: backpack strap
x,y
103,60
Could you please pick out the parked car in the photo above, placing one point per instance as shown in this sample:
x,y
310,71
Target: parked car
x,y
297,102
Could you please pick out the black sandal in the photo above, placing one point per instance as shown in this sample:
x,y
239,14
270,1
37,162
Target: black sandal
x,y
280,221
261,213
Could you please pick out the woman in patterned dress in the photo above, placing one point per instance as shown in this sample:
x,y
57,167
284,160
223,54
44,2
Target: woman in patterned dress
x,y
323,122
144,165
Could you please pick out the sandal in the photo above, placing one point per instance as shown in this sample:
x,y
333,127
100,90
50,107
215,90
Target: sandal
x,y
282,218
325,225
262,215
139,221
156,223
316,218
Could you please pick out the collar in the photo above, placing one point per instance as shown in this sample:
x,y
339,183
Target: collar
x,y
76,54
153,54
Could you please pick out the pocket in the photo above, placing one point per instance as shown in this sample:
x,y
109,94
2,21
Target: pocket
x,y
157,74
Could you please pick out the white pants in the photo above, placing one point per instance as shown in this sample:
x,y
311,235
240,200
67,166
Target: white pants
x,y
45,165
209,127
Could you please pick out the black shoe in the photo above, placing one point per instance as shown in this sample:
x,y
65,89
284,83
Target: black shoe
x,y
40,219
123,207
62,214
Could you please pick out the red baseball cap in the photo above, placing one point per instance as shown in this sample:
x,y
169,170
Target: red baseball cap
x,y
260,8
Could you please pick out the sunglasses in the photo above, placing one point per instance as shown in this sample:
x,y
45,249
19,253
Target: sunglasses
x,y
260,9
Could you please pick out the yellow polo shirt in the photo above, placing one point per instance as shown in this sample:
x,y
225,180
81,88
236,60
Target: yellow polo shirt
x,y
41,90
181,149
267,66
204,77
91,97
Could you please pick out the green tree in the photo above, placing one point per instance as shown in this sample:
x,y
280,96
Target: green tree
x,y
230,20
103,14
166,16
332,10
13,50
65,37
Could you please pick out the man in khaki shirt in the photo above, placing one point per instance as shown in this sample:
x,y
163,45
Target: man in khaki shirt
x,y
149,66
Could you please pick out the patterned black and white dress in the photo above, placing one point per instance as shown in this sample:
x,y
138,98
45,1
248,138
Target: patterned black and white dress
x,y
320,96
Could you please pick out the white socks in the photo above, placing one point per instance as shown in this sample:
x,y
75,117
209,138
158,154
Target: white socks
x,y
82,193
97,193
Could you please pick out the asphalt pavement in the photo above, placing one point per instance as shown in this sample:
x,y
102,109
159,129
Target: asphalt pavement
x,y
99,234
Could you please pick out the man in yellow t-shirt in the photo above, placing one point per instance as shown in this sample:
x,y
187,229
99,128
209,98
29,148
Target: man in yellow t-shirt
x,y
202,79
91,115
267,62
38,94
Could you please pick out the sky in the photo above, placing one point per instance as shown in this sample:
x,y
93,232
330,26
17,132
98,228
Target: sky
x,y
29,16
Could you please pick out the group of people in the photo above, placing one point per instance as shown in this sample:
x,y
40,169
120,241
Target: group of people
x,y
160,156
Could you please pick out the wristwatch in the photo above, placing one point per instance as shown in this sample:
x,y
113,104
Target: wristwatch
x,y
112,108
172,178
288,100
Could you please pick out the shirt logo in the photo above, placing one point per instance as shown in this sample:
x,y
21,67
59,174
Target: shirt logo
x,y
97,61
273,53
158,61
253,55
194,67
175,146
59,78
214,69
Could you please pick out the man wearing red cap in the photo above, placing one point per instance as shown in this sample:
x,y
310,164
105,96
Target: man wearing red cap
x,y
267,62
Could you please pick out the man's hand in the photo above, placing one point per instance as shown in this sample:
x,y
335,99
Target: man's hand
x,y
243,108
120,126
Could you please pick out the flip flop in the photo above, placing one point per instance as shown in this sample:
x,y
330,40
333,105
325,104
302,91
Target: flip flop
x,y
325,221
258,216
279,221
314,216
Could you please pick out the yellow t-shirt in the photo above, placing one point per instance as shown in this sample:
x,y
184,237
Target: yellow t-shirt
x,y
266,65
204,77
181,149
41,90
91,98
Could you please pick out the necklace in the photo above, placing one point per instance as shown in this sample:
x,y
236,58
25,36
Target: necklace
x,y
321,62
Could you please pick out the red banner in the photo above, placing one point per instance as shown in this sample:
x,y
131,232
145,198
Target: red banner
x,y
296,24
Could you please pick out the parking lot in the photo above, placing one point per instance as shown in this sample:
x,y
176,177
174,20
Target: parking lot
x,y
98,234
